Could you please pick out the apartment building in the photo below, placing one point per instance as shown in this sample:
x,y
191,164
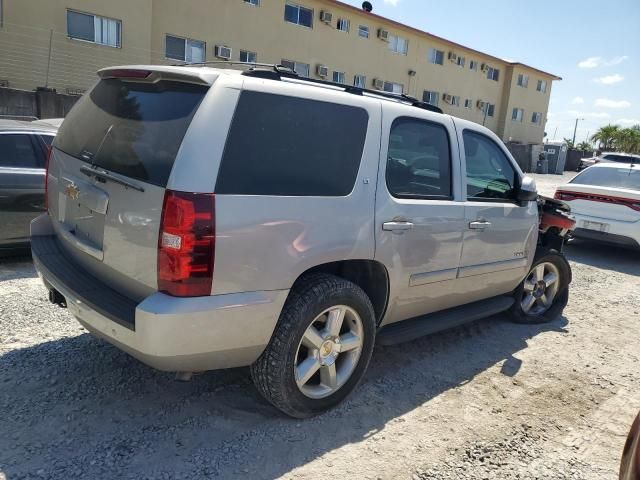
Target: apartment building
x,y
61,43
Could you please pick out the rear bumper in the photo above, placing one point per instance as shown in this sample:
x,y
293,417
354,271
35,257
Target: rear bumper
x,y
619,232
165,332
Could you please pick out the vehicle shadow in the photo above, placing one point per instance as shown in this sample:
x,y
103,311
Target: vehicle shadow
x,y
607,257
79,407
17,266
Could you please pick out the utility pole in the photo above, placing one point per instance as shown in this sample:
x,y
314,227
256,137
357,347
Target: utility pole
x,y
575,129
46,82
486,109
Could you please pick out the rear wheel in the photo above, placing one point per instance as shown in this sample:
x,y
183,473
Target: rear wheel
x,y
544,292
320,349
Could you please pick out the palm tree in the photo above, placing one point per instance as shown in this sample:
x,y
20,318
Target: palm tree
x,y
628,140
585,147
606,136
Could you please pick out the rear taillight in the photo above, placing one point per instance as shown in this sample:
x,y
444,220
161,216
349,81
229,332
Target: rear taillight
x,y
186,244
46,179
560,195
594,197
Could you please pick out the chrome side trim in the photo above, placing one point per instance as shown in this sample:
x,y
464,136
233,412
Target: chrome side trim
x,y
432,277
492,267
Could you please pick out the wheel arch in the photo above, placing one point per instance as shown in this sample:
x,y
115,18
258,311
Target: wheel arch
x,y
370,275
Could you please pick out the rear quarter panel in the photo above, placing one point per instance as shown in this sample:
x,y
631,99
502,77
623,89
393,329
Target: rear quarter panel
x,y
267,242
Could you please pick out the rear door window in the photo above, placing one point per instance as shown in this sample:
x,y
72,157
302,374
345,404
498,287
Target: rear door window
x,y
419,160
289,146
131,128
17,151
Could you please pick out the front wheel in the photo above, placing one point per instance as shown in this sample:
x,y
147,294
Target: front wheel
x,y
320,349
543,294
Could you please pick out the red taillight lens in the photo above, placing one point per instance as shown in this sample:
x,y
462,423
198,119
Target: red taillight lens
x,y
46,178
560,195
126,73
186,244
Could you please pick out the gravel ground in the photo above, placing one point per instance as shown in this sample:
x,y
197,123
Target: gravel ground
x,y
491,400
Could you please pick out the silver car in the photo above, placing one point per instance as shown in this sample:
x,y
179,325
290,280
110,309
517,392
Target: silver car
x,y
202,218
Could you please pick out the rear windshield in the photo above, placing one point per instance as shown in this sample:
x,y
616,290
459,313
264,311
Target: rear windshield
x,y
286,146
610,177
620,158
134,129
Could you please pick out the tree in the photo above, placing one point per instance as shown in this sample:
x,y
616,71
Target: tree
x,y
585,146
628,140
569,142
606,136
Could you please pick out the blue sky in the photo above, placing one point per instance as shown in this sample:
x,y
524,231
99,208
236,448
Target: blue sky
x,y
593,45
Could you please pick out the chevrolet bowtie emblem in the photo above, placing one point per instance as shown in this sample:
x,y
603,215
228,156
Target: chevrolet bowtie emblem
x,y
72,191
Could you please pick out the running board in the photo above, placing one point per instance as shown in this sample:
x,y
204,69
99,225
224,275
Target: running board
x,y
411,329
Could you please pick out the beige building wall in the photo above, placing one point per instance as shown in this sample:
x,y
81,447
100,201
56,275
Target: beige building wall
x,y
262,29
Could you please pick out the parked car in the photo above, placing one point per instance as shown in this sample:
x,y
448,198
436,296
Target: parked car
x,y
630,464
23,153
605,200
203,219
609,157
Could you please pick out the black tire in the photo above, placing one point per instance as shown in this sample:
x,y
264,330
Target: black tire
x,y
518,315
273,373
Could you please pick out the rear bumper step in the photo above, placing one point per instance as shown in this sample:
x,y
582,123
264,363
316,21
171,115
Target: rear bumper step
x,y
61,273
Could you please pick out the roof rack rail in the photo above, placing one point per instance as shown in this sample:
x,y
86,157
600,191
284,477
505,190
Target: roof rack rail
x,y
272,71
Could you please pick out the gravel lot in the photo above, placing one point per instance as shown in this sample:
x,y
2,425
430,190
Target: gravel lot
x,y
490,400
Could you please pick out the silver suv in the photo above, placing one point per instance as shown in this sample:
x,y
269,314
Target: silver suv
x,y
201,218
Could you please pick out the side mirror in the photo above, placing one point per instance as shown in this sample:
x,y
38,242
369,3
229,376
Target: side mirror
x,y
527,191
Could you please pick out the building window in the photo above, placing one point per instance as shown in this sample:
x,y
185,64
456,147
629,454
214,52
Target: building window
x,y
255,3
360,81
490,109
493,74
517,114
460,61
184,49
300,68
338,77
430,97
393,87
455,100
363,31
92,28
398,44
248,57
436,56
536,118
473,65
523,80
1,13
299,15
542,86
343,25
468,103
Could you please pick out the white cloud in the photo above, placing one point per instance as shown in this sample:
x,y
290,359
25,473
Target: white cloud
x,y
609,79
608,103
593,62
577,101
579,114
628,121
393,3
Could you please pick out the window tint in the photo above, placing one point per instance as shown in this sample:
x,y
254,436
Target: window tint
x,y
490,174
47,139
419,160
17,151
621,158
279,145
610,177
131,128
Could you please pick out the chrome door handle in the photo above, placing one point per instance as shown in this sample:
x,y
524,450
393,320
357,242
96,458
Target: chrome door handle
x,y
479,225
397,226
